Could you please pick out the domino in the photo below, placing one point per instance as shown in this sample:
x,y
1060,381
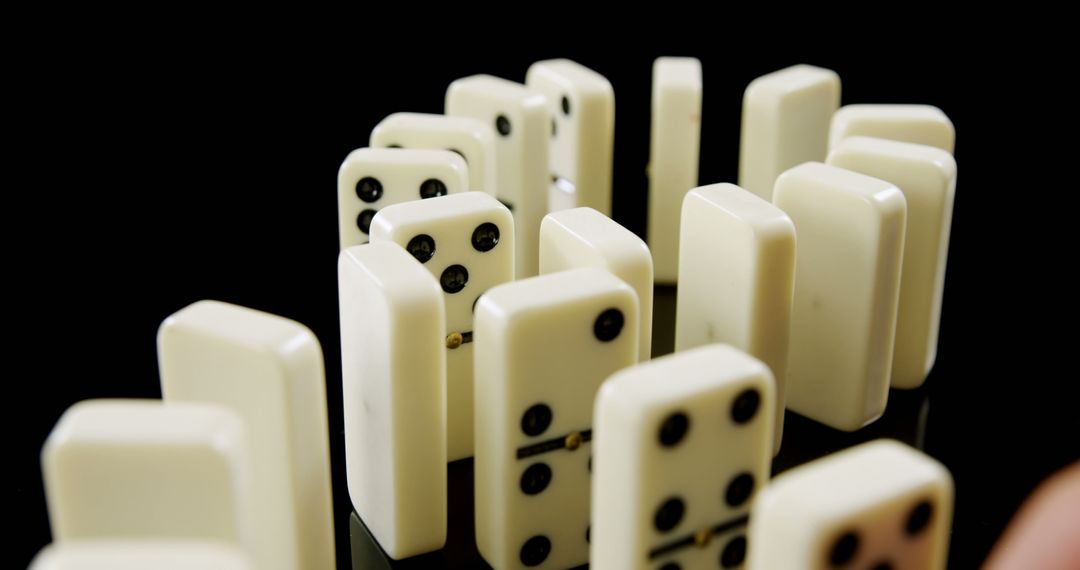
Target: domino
x,y
583,237
144,469
370,179
681,446
785,122
674,144
847,282
140,555
737,279
393,370
582,107
472,139
543,347
467,242
521,121
881,504
927,177
919,124
269,370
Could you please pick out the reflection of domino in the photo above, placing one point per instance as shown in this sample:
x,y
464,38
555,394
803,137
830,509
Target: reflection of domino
x,y
674,144
785,122
682,444
927,177
473,140
270,371
140,555
878,505
543,346
737,279
521,122
850,230
582,107
151,470
919,124
393,370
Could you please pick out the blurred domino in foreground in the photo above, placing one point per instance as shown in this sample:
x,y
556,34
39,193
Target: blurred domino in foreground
x,y
140,555
878,505
919,124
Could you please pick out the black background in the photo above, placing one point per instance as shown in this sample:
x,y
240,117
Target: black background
x,y
164,170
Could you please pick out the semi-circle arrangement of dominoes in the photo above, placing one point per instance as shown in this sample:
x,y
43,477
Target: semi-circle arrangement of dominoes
x,y
492,312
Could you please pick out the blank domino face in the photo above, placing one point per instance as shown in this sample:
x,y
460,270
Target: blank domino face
x,y
522,129
737,278
919,124
140,555
467,242
674,142
373,178
394,380
785,122
927,177
877,505
582,107
583,237
144,469
269,370
682,445
847,280
544,345
472,139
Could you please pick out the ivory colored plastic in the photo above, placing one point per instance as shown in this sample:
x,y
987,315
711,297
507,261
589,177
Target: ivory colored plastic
x,y
140,555
919,124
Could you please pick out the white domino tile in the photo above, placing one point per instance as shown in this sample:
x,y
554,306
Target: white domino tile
x,y
919,124
141,555
737,279
674,144
473,139
270,371
681,446
850,230
927,177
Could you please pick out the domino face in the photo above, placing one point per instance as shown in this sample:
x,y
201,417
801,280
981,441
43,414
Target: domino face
x,y
927,177
544,345
583,237
674,144
847,267
737,279
785,122
467,242
144,469
373,178
140,555
472,139
582,107
919,124
269,370
878,505
682,445
522,126
393,364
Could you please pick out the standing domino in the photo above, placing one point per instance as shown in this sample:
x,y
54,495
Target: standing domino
x,y
583,237
144,469
847,283
682,444
785,122
544,345
919,124
521,123
140,555
269,370
674,143
472,139
373,178
467,242
737,278
582,107
393,370
878,505
927,177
